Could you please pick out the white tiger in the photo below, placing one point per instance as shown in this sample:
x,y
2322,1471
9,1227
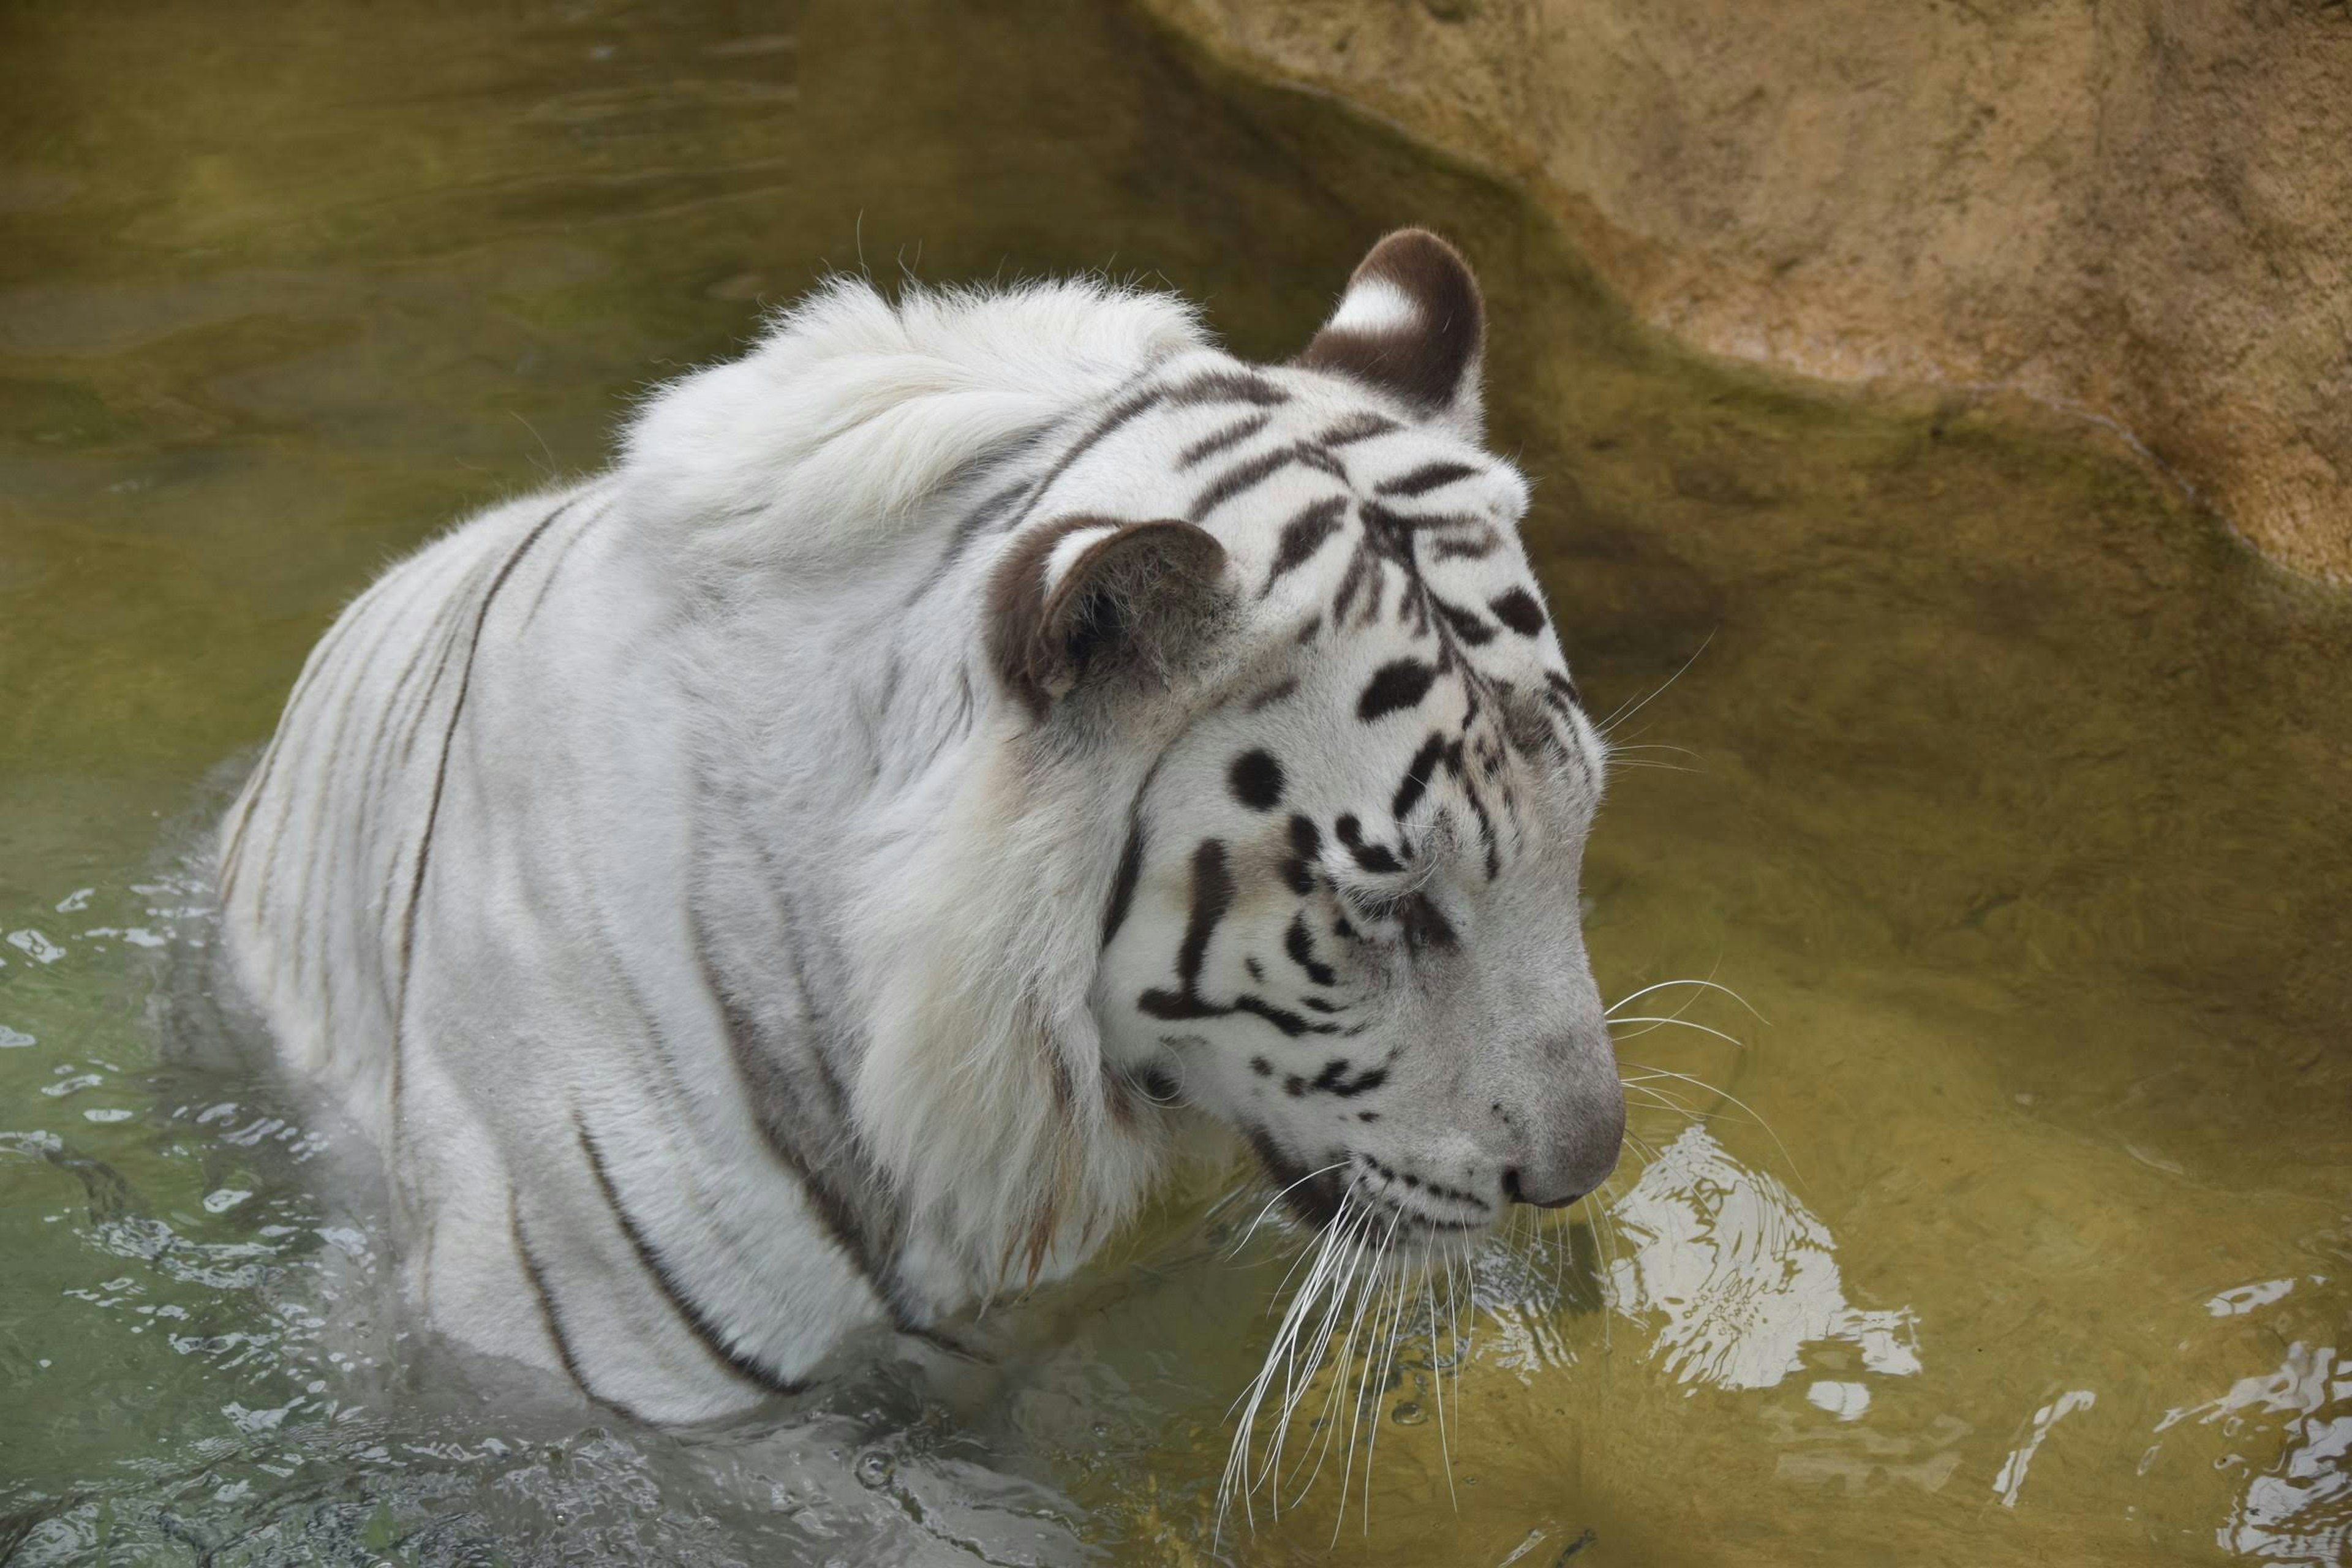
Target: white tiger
x,y
824,868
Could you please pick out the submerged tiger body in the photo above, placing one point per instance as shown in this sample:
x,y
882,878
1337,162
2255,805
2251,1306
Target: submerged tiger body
x,y
828,867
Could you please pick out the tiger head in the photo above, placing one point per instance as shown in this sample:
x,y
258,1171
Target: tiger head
x,y
1345,917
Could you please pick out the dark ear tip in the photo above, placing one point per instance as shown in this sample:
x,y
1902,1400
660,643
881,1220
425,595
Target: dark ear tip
x,y
1411,323
1413,245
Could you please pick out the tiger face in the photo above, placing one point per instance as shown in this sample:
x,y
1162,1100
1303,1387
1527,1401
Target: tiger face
x,y
1345,920
1354,936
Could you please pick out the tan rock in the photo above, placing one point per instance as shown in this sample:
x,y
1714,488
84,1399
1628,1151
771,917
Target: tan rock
x,y
2141,210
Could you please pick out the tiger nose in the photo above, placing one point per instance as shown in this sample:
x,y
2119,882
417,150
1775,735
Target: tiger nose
x,y
1517,1193
1579,1161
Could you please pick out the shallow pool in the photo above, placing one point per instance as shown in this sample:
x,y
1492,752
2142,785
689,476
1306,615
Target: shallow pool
x,y
2009,789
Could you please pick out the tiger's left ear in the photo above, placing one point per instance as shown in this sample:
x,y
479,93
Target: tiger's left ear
x,y
1411,323
1084,600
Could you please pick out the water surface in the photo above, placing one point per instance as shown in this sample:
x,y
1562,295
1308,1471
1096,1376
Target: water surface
x,y
2018,799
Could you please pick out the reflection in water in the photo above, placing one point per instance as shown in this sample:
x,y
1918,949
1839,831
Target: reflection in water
x,y
2011,1478
1737,1276
2299,1509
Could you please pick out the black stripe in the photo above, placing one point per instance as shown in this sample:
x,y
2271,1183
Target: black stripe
x,y
1130,860
1247,476
1235,385
691,1311
1334,1079
317,933
1287,687
442,636
449,739
392,702
1477,809
332,652
1122,887
773,1105
549,1317
1371,857
821,1027
1467,624
1119,414
1232,436
966,528
1519,610
1357,427
1169,1006
1399,684
1427,477
1362,566
373,621
314,669
1417,775
1212,896
556,566
370,829
1306,850
1385,516
1282,1018
1303,535
1298,944
433,810
1215,386
1472,547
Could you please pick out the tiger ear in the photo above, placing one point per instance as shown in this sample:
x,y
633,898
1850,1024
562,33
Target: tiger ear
x,y
1077,598
1413,324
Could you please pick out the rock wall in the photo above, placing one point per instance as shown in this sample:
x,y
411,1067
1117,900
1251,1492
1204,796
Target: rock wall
x,y
2139,209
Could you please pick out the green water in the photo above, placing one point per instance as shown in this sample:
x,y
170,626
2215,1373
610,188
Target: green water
x,y
2019,801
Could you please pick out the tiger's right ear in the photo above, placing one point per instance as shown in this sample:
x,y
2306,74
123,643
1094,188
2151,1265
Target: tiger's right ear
x,y
1411,323
1079,598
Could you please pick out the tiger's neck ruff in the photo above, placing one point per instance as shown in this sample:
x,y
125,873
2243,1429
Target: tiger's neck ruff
x,y
814,874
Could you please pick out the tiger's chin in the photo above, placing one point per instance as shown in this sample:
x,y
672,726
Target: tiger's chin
x,y
1406,1221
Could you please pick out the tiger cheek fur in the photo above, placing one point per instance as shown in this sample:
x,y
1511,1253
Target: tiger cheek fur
x,y
785,885
1354,939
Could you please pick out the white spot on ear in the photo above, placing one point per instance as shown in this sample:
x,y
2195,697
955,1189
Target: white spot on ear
x,y
1070,546
1375,305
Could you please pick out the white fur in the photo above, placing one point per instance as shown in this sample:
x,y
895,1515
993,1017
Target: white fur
x,y
717,737
853,410
1375,305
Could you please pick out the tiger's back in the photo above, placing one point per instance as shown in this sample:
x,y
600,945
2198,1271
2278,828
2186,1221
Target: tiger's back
x,y
327,838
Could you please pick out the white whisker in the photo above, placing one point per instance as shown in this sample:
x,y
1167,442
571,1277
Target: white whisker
x,y
1605,1241
1680,1022
1707,985
1621,712
1438,1381
1356,1412
1339,1369
1331,1259
1277,1197
1386,1362
1734,1099
1293,1392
